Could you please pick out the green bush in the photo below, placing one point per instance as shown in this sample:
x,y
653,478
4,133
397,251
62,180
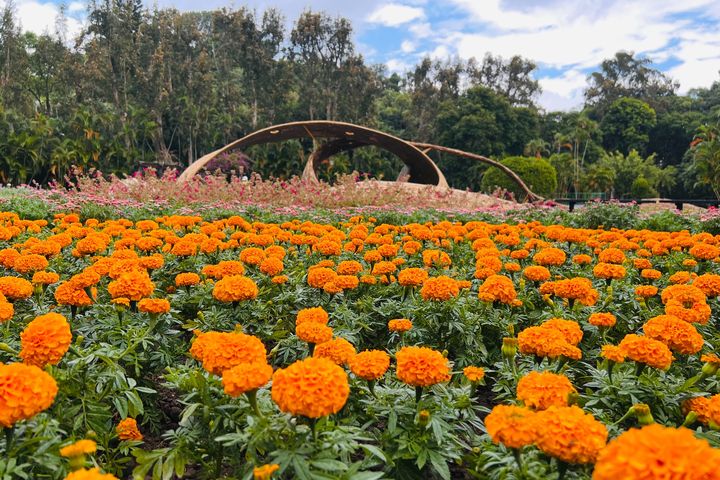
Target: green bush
x,y
641,188
537,173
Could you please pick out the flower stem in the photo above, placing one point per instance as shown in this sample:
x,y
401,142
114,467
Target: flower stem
x,y
418,394
252,398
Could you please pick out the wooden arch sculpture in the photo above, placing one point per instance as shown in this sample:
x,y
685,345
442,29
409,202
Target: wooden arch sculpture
x,y
342,137
419,168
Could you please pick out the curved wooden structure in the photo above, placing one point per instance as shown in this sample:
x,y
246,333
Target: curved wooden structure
x,y
343,137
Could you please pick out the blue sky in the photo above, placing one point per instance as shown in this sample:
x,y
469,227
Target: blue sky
x,y
568,39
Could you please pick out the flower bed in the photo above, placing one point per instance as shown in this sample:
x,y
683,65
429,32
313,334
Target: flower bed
x,y
356,349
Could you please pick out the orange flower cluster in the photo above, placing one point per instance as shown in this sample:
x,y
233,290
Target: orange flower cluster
x,y
570,435
421,366
339,350
235,288
542,390
220,351
400,325
127,429
686,302
412,277
45,340
313,388
90,474
658,452
245,377
440,288
25,391
578,288
154,305
679,336
646,350
370,365
512,426
602,319
497,288
554,338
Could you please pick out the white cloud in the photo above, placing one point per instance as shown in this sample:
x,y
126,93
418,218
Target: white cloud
x,y
564,92
76,7
39,17
407,46
394,14
395,65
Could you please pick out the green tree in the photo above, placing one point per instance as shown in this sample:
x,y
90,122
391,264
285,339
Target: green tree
x,y
705,157
627,168
627,125
511,78
537,173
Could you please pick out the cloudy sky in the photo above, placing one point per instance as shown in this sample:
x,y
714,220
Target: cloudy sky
x,y
567,38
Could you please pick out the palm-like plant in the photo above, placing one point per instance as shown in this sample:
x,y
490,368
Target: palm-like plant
x,y
705,152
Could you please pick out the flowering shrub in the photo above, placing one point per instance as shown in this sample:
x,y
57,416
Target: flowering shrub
x,y
178,346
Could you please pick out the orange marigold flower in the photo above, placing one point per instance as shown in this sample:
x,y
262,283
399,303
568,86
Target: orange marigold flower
x,y
512,426
709,283
582,259
646,291
45,340
400,325
15,288
704,251
570,435
436,258
313,332
349,267
536,273
133,285
439,288
609,271
220,351
313,388
7,310
318,277
279,279
611,255
127,429
45,278
646,350
613,353
655,452
187,279
642,263
370,365
546,342
679,278
383,268
235,288
89,474
680,336
550,256
339,350
569,328
265,472
421,366
497,288
30,263
272,266
650,274
252,256
245,377
67,293
602,319
79,448
541,390
25,391
412,277
699,405
312,315
154,305
474,374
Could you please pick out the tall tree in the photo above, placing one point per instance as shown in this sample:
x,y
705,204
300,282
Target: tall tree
x,y
511,78
627,125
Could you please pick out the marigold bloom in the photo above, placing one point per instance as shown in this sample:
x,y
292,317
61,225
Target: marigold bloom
x,y
646,291
613,353
412,277
313,388
679,278
497,288
127,429
650,274
582,259
703,251
313,315
15,288
680,336
609,271
699,405
245,377
370,365
421,366
550,256
133,285
474,374
570,435
313,332
235,288
611,255
546,342
339,350
512,426
7,310
646,350
602,319
349,267
90,474
436,258
154,305
569,328
541,390
399,325
439,288
187,279
219,351
318,277
45,278
655,452
709,283
25,391
536,273
30,263
79,448
45,340
272,266
265,472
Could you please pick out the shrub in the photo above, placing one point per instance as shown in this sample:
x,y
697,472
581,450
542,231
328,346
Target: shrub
x,y
537,173
641,188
